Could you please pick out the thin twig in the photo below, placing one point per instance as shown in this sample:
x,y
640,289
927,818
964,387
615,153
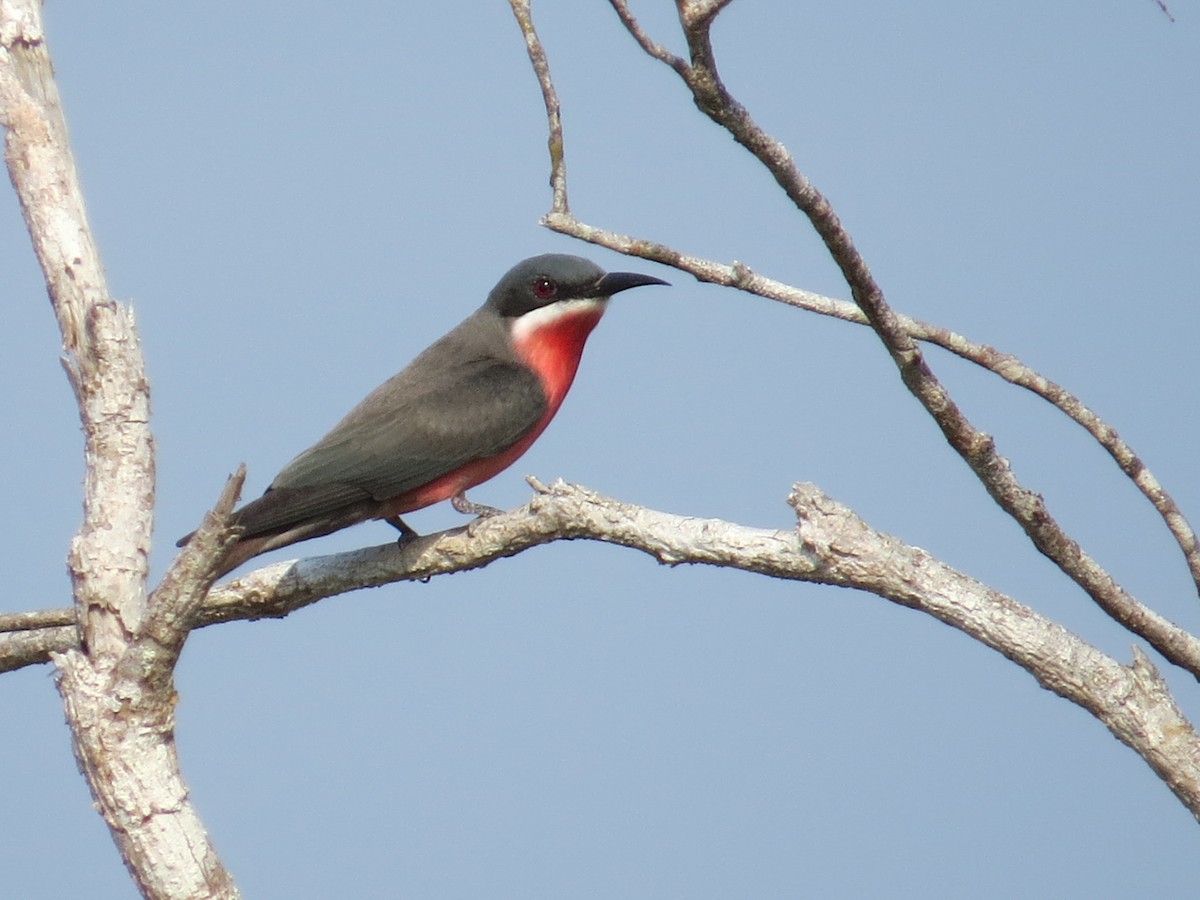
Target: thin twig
x,y
541,68
1166,12
35,619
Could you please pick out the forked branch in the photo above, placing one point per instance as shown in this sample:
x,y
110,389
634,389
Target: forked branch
x,y
899,334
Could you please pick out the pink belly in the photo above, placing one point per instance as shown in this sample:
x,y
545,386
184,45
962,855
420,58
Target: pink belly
x,y
475,472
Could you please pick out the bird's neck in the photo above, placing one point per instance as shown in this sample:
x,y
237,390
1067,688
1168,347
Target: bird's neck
x,y
550,341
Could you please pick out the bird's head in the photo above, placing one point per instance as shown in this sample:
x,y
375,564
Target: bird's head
x,y
542,289
550,304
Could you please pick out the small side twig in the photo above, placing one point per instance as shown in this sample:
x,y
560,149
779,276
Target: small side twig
x,y
1165,11
172,607
36,619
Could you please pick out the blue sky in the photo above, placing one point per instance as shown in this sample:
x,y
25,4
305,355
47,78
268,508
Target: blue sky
x,y
296,201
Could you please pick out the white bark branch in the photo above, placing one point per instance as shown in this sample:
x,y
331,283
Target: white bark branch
x,y
108,559
830,546
116,685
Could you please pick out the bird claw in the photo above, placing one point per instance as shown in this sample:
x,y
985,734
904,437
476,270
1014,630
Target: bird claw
x,y
408,534
461,504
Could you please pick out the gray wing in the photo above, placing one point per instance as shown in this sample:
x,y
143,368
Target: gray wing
x,y
409,431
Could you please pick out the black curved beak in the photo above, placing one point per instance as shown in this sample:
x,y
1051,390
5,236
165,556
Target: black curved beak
x,y
615,282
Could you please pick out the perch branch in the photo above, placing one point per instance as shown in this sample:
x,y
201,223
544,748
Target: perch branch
x,y
831,545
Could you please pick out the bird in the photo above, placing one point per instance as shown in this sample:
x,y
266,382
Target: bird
x,y
461,412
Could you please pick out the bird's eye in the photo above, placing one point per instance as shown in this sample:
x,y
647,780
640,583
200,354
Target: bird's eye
x,y
544,288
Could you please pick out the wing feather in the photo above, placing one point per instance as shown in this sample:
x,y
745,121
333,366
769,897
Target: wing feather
x,y
408,432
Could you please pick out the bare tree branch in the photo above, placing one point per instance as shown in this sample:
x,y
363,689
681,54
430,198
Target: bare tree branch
x,y
1010,368
976,448
122,716
173,606
739,276
1165,10
899,336
35,619
650,46
19,649
116,683
117,648
108,559
541,68
830,546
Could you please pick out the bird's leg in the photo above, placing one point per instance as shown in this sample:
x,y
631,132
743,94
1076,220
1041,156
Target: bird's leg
x,y
407,532
461,504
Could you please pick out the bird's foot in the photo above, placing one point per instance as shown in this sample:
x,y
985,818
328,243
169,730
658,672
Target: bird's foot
x,y
461,504
407,532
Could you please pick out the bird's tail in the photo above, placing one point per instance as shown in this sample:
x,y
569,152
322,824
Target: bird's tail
x,y
253,542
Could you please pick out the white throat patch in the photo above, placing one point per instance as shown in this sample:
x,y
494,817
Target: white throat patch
x,y
526,325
